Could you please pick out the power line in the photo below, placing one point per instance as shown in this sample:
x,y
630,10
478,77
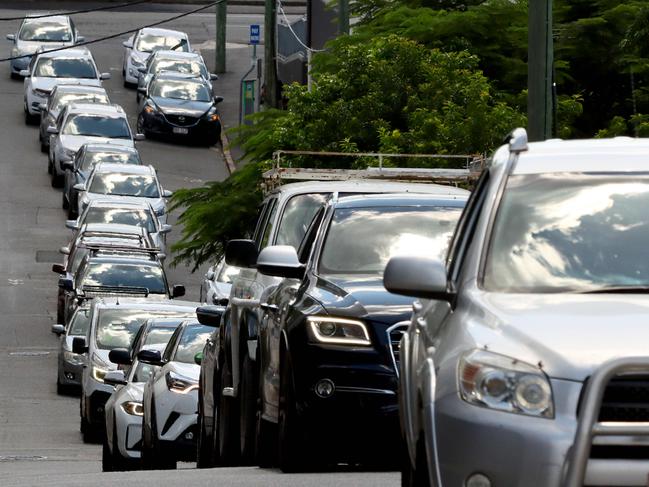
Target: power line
x,y
290,28
113,36
74,12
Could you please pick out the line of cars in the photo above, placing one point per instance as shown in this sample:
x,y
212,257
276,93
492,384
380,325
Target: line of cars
x,y
127,343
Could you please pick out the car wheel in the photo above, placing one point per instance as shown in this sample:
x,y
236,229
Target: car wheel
x,y
159,459
64,201
62,390
266,454
226,448
13,75
106,457
29,119
416,476
292,443
247,411
88,432
72,212
44,148
204,454
140,126
57,180
119,463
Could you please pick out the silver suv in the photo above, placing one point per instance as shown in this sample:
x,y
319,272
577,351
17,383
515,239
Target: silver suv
x,y
545,283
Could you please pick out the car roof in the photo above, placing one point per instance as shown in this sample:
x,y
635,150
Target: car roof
x,y
145,304
168,54
96,109
108,167
112,228
365,186
163,32
618,154
164,322
79,88
401,199
37,16
71,52
92,147
135,205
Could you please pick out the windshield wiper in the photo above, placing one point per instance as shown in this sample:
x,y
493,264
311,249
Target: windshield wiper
x,y
617,290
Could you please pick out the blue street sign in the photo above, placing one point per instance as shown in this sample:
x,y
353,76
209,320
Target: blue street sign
x,y
254,34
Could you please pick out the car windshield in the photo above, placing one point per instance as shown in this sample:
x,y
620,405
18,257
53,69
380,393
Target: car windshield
x,y
191,342
116,328
362,240
180,90
91,158
97,126
122,216
79,323
140,276
62,67
570,232
152,42
179,66
63,99
121,184
228,273
45,31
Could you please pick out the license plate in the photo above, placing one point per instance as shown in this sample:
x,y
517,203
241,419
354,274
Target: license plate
x,y
180,130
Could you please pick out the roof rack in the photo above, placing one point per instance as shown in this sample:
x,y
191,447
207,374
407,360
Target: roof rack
x,y
472,166
90,292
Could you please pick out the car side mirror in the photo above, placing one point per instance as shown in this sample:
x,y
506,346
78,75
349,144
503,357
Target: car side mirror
x,y
142,70
152,357
177,291
120,356
417,277
167,193
79,187
80,39
218,99
25,73
72,224
198,358
214,77
166,228
241,253
67,165
79,345
58,329
115,378
139,137
128,44
209,275
104,76
210,315
280,261
58,268
52,130
66,283
11,37
64,250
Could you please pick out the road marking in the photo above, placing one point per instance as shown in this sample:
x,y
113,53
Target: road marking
x,y
35,353
21,458
15,282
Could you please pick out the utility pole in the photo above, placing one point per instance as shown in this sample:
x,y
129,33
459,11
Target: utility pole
x,y
540,61
270,66
343,17
221,20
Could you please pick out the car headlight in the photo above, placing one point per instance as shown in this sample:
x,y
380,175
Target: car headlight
x,y
73,358
498,382
338,331
160,211
179,383
150,109
99,368
41,93
69,153
137,62
134,408
212,116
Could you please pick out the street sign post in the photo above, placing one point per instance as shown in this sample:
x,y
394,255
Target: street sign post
x,y
254,34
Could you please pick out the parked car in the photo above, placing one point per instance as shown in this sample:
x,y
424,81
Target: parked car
x,y
40,33
191,63
123,411
171,397
284,219
545,282
138,214
180,105
113,324
86,124
78,169
124,183
139,47
61,96
70,364
46,70
217,283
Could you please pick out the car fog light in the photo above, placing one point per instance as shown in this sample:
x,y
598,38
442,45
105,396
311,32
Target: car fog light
x,y
189,435
478,480
328,329
69,375
324,388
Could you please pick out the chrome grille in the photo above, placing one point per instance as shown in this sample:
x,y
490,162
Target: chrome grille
x,y
181,120
626,399
395,332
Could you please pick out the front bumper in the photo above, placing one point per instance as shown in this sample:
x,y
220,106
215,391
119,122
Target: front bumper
x,y
129,433
69,374
177,433
200,130
17,65
95,404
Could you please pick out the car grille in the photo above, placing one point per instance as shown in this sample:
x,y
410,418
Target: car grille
x,y
395,332
181,120
626,399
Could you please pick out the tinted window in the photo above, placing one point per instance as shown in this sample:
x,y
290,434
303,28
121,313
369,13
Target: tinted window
x,y
123,216
97,126
145,276
298,213
362,240
79,324
180,90
65,68
151,42
92,158
570,232
120,184
63,99
45,31
191,342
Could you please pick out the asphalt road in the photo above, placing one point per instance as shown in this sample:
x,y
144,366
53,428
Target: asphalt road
x,y
40,442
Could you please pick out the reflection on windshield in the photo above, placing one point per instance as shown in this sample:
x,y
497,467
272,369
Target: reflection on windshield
x,y
65,68
79,323
179,66
362,240
191,342
122,216
143,372
97,126
151,42
559,232
180,90
92,158
147,276
228,274
68,98
45,31
120,184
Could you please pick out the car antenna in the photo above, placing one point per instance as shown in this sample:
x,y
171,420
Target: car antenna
x,y
117,300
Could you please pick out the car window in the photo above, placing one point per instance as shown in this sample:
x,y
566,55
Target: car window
x,y
121,184
261,220
191,342
150,42
178,66
296,218
78,325
143,372
63,99
65,68
123,216
180,90
227,274
169,349
91,158
269,224
137,276
38,30
97,126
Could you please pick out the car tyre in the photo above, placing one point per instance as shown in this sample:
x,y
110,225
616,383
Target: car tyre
x,y
292,444
266,454
88,432
416,476
204,443
106,457
157,458
57,180
72,212
29,118
64,201
140,126
247,411
226,449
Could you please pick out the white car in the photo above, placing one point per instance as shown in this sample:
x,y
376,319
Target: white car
x,y
139,214
124,183
123,439
44,32
46,70
113,324
216,286
86,123
139,47
170,398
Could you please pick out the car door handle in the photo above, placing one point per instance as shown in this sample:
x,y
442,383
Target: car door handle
x,y
269,307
